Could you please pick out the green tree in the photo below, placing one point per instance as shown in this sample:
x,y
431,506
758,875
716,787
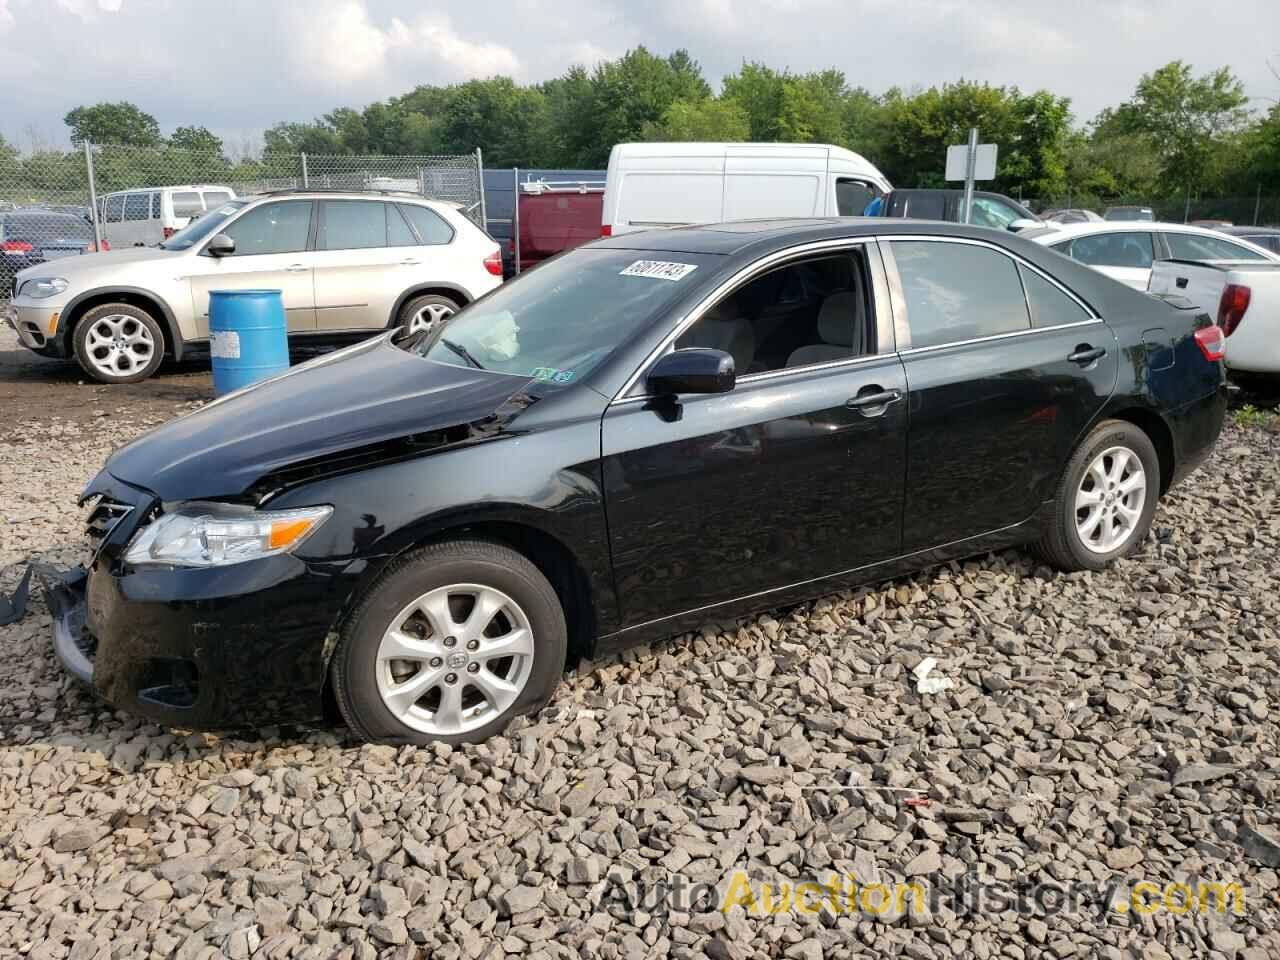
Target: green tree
x,y
120,122
760,91
717,121
196,140
1184,119
634,90
317,137
508,122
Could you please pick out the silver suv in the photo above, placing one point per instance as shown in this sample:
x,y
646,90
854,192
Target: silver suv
x,y
348,264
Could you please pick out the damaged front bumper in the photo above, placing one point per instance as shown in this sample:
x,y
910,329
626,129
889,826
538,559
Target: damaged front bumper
x,y
72,644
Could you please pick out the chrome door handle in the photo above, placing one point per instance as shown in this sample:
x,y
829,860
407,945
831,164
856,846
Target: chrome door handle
x,y
1086,354
296,268
867,403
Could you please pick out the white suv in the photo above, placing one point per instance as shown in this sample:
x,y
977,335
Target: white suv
x,y
347,264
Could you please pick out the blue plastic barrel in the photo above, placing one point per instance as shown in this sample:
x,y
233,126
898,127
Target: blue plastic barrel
x,y
248,339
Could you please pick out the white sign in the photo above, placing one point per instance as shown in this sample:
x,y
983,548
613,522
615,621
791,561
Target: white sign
x,y
224,344
659,269
984,164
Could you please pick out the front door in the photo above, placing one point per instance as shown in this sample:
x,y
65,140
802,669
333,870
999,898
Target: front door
x,y
271,254
1005,371
791,476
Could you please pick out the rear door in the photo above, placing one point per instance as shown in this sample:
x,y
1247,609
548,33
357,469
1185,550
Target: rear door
x,y
271,252
365,256
1005,369
795,474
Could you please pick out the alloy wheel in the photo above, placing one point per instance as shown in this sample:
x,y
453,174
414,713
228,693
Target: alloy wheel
x,y
455,659
429,317
118,345
1110,500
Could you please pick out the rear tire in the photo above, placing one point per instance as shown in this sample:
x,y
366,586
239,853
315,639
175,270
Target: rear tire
x,y
449,645
118,343
426,313
1105,501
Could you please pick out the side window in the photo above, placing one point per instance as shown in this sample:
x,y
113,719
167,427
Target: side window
x,y
398,232
155,206
137,206
1192,246
988,212
431,227
115,208
807,312
186,203
1050,307
958,291
852,197
215,198
1062,248
352,225
280,227
1115,250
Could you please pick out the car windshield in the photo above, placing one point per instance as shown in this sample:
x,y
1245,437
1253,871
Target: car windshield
x,y
197,230
1129,213
559,321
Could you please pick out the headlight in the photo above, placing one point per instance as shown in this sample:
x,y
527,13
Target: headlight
x,y
215,535
42,287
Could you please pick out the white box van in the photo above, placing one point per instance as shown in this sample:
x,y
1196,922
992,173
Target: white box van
x,y
144,217
672,184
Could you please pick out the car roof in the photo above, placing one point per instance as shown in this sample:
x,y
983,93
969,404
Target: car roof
x,y
1064,231
1239,231
758,236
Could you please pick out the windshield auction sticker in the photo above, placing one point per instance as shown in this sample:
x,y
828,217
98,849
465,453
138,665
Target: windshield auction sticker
x,y
659,269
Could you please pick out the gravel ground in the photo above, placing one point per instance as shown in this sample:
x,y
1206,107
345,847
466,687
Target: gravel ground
x,y
1101,729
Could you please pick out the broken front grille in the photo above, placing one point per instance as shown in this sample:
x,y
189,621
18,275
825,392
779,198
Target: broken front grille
x,y
103,517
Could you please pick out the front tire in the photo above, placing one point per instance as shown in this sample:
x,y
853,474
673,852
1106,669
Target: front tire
x,y
452,642
1105,500
118,343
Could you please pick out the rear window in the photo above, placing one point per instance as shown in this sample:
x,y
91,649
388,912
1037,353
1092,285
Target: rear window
x,y
430,226
352,225
1193,246
958,291
114,208
214,197
34,226
186,203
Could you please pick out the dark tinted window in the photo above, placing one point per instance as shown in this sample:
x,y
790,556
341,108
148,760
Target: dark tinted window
x,y
352,225
431,227
958,291
37,227
1050,307
279,227
852,197
114,208
1191,246
186,203
137,206
1114,250
155,206
989,212
398,232
813,311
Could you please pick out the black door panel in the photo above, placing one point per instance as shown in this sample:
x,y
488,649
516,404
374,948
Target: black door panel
x,y
991,425
777,482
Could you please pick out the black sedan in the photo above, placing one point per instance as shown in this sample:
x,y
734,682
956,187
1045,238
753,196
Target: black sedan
x,y
644,434
28,237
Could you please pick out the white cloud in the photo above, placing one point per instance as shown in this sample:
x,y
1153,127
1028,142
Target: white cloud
x,y
6,16
87,10
340,44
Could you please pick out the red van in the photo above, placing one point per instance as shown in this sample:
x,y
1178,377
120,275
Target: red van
x,y
553,216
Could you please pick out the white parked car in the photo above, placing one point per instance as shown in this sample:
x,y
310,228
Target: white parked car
x,y
144,217
347,264
1244,298
1125,249
673,184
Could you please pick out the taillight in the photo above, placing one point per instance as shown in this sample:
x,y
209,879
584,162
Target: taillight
x,y
606,230
1231,308
16,246
105,245
493,263
1212,342
95,247
168,232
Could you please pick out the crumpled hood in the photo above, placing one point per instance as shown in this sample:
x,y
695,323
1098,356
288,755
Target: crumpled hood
x,y
367,394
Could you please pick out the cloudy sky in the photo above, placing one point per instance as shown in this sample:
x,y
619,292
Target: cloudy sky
x,y
237,66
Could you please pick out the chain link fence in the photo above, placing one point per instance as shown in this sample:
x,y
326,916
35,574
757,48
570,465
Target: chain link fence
x,y
1259,210
57,203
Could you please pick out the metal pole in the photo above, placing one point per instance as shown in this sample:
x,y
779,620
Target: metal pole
x,y
1186,212
305,182
969,166
484,214
515,218
1257,205
93,196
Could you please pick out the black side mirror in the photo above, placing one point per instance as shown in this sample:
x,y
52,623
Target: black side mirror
x,y
694,370
220,245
